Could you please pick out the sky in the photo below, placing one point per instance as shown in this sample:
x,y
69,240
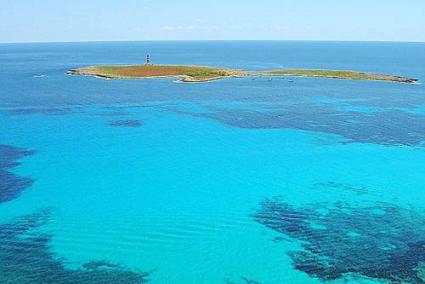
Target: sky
x,y
127,20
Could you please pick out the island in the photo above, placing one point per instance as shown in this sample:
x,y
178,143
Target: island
x,y
193,74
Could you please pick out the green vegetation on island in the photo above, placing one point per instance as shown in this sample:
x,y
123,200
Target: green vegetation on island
x,y
340,74
185,73
204,73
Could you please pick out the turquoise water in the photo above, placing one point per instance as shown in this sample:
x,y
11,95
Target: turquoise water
x,y
232,181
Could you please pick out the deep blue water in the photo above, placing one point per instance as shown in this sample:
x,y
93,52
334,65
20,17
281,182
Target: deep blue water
x,y
294,180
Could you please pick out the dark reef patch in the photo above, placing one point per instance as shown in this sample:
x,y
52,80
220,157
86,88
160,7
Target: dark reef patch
x,y
343,187
25,258
99,264
12,185
381,241
113,113
126,123
44,111
243,280
390,127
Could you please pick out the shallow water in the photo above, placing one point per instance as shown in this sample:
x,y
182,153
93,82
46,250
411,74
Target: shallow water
x,y
232,181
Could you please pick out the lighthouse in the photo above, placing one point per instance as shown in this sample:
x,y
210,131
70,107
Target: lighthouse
x,y
148,60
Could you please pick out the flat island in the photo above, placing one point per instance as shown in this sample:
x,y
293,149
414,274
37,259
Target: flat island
x,y
204,73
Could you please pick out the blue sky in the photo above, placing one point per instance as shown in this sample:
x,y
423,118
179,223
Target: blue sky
x,y
105,20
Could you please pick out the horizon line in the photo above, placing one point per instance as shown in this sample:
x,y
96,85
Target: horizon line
x,y
208,40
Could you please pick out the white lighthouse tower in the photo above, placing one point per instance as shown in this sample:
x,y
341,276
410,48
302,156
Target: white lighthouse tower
x,y
148,60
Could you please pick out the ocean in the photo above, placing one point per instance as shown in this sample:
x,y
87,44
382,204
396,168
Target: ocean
x,y
237,181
